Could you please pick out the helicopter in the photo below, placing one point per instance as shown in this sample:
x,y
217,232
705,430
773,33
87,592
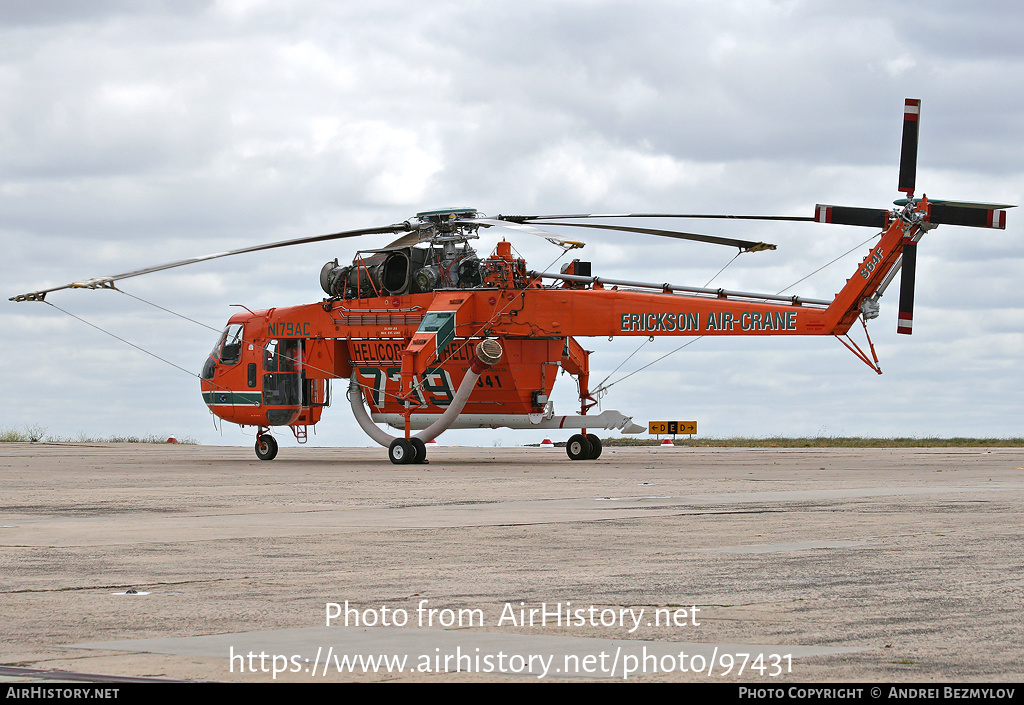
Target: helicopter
x,y
430,335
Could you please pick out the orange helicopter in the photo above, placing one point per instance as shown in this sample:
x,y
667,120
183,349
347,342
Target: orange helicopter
x,y
432,336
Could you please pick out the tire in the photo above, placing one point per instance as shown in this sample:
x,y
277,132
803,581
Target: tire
x,y
595,447
266,447
421,450
401,452
578,447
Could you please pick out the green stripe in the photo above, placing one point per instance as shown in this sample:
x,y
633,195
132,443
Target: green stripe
x,y
229,398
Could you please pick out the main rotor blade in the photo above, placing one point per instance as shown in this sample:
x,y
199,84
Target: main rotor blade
x,y
908,149
407,240
558,240
710,216
106,282
745,245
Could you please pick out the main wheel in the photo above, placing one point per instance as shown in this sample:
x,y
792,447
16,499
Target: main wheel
x,y
595,447
421,450
401,452
578,447
266,447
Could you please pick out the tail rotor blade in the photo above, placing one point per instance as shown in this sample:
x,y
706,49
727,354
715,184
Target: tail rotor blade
x,y
966,215
908,152
905,323
846,215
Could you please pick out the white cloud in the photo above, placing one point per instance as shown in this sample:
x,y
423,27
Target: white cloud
x,y
136,133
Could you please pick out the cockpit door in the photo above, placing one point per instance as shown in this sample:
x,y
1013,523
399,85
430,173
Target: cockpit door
x,y
282,380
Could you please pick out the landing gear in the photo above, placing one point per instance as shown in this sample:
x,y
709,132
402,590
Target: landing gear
x,y
578,447
401,451
421,450
582,447
405,451
266,447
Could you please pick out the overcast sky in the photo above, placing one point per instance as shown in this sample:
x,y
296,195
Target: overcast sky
x,y
136,132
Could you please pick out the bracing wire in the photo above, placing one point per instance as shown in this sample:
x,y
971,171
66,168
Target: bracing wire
x,y
126,342
198,323
602,386
190,373
723,268
829,264
173,313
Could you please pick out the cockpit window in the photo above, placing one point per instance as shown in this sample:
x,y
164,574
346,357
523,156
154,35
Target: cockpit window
x,y
230,347
281,356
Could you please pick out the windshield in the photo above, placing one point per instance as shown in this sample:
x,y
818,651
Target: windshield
x,y
229,345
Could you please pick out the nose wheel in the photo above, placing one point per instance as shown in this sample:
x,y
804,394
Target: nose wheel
x,y
266,447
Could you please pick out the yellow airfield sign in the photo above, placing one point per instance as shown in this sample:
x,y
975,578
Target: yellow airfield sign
x,y
672,428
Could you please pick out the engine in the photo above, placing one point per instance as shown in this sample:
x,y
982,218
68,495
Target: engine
x,y
405,270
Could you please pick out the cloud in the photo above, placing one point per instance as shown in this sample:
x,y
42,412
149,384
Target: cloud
x,y
141,132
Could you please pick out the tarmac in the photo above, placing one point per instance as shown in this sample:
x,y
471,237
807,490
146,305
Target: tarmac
x,y
765,566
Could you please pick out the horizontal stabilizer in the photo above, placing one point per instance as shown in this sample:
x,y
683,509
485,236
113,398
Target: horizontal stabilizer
x,y
846,215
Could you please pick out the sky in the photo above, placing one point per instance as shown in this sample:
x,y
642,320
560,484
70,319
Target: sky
x,y
137,132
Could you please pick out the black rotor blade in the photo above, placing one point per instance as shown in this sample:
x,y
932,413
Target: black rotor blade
x,y
104,282
908,150
972,217
554,239
407,240
708,216
846,215
745,245
962,204
905,322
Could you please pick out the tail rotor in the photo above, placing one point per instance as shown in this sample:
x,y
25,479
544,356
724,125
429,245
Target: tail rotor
x,y
916,215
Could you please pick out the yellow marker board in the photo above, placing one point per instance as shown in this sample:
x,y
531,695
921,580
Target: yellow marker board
x,y
672,428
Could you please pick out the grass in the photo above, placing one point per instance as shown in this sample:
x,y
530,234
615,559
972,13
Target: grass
x,y
35,434
27,434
